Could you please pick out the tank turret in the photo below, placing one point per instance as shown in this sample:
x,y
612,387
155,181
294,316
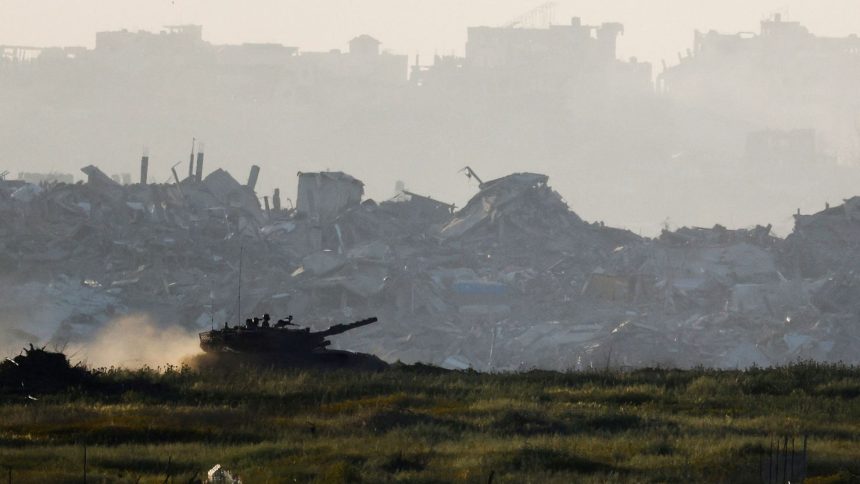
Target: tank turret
x,y
253,338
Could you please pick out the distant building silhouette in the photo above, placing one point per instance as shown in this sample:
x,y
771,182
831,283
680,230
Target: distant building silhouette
x,y
782,78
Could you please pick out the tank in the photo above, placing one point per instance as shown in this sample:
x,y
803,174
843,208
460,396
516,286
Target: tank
x,y
259,338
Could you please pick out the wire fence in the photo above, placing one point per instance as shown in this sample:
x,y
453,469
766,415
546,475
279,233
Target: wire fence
x,y
785,463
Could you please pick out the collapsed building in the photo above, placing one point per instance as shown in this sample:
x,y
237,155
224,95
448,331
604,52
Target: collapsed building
x,y
514,279
351,105
771,104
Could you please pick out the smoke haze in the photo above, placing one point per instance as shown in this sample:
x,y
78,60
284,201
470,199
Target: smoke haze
x,y
493,180
134,341
390,132
654,30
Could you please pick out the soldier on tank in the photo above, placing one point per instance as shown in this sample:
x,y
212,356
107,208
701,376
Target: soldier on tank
x,y
282,323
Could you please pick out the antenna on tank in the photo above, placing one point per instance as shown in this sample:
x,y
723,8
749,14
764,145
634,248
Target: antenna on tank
x,y
211,308
239,298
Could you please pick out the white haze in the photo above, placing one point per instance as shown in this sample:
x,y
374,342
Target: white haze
x,y
598,177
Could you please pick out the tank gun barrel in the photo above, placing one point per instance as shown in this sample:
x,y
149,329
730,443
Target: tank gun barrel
x,y
342,328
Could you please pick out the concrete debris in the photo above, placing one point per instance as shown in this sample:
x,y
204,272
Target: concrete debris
x,y
513,280
26,193
322,196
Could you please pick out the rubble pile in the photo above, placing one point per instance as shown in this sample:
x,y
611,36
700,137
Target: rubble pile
x,y
513,280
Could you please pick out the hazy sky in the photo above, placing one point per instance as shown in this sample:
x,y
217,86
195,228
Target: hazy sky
x,y
656,29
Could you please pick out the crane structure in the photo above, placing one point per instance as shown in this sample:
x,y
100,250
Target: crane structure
x,y
470,173
539,17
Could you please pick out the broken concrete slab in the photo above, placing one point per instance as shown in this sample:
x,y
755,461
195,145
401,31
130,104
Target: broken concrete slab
x,y
325,195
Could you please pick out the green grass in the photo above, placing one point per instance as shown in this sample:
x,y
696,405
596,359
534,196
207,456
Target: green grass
x,y
417,425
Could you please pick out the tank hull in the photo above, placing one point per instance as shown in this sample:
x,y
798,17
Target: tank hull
x,y
260,341
316,360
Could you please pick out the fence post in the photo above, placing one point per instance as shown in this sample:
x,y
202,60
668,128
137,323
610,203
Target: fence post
x,y
805,461
85,463
774,460
784,466
791,476
167,469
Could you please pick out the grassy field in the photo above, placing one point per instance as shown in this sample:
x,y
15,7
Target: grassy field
x,y
417,424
